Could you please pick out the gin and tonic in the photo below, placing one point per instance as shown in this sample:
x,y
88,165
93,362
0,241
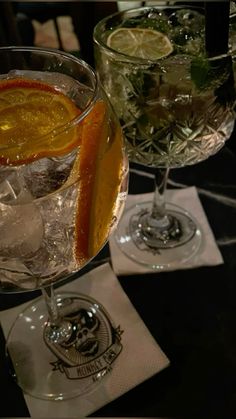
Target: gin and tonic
x,y
175,106
63,182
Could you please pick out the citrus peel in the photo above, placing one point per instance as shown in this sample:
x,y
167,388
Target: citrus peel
x,y
100,159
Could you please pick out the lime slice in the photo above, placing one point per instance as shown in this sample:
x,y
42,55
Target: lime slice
x,y
141,43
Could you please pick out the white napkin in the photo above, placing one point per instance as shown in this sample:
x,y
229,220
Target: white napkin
x,y
140,358
207,255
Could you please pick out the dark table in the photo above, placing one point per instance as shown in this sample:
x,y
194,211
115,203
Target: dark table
x,y
191,314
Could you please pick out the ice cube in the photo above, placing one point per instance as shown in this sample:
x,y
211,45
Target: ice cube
x,y
21,230
11,185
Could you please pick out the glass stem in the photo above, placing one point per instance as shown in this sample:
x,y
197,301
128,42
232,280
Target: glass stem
x,y
50,300
159,216
159,226
57,329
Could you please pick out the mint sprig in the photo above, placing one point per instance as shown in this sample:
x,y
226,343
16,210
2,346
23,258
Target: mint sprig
x,y
214,74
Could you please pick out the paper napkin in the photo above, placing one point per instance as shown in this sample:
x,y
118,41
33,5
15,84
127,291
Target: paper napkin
x,y
208,253
140,358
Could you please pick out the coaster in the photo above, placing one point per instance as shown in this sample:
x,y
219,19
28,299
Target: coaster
x,y
207,255
139,356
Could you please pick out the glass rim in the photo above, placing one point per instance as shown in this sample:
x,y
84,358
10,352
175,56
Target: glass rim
x,y
133,11
49,51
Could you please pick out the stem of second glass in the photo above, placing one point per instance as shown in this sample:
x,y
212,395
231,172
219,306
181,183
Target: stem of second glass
x,y
159,226
159,218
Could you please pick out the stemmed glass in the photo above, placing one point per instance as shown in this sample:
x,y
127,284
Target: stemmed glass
x,y
175,106
63,183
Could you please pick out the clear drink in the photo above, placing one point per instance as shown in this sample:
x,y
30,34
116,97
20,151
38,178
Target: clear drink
x,y
63,184
170,108
39,209
175,100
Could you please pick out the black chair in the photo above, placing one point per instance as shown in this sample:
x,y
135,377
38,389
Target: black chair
x,y
85,15
9,33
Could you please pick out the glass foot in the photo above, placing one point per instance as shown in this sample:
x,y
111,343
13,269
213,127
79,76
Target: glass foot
x,y
62,370
160,248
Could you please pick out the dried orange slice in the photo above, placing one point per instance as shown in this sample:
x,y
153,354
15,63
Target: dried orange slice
x,y
31,112
100,165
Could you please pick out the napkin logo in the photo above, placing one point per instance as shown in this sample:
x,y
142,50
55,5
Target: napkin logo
x,y
93,343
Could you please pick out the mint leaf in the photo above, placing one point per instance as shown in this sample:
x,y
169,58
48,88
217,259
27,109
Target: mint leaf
x,y
216,75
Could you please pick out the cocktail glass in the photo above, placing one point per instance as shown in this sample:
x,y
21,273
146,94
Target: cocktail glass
x,y
63,183
175,105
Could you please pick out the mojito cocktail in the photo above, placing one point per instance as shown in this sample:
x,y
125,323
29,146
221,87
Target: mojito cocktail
x,y
175,105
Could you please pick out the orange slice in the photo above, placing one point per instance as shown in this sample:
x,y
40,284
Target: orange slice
x,y
31,112
100,165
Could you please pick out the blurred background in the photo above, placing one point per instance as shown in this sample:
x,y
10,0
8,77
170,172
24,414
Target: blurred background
x,y
57,24
66,25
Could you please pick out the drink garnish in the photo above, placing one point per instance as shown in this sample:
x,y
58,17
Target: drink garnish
x,y
30,113
214,74
32,117
143,43
100,160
